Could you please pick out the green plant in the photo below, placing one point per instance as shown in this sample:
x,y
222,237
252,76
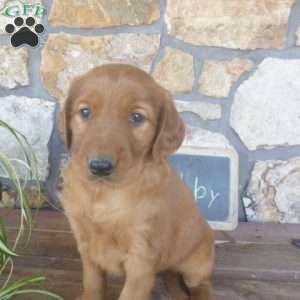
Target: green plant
x,y
7,253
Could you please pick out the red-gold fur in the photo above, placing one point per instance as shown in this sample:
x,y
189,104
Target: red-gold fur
x,y
143,219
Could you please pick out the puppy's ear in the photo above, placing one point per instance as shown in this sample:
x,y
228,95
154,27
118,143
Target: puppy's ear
x,y
64,122
66,112
170,131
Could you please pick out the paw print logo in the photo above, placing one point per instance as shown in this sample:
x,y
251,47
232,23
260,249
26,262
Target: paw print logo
x,y
24,34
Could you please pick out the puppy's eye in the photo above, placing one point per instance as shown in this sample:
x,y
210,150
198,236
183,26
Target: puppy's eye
x,y
136,119
85,113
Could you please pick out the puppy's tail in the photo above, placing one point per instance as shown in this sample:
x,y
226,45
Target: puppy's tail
x,y
175,286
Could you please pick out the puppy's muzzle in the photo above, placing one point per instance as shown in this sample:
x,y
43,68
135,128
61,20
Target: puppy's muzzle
x,y
101,166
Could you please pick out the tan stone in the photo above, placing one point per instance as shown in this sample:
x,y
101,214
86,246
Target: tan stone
x,y
8,199
205,110
103,13
298,37
237,24
175,71
35,198
13,67
67,56
217,77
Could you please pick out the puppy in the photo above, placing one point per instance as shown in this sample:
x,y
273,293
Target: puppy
x,y
130,213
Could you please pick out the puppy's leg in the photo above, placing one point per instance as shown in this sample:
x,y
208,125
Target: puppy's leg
x,y
93,280
93,277
139,281
197,270
203,291
173,286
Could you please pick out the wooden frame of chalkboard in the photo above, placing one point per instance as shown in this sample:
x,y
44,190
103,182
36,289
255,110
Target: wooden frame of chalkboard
x,y
231,221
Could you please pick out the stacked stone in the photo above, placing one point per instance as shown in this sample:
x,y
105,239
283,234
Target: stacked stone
x,y
233,67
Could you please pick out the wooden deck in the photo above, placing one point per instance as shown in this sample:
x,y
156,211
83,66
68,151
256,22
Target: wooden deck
x,y
255,262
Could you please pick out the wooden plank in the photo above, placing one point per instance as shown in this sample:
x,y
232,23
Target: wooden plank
x,y
256,290
67,283
238,261
224,289
261,233
256,261
43,220
252,251
246,232
54,244
232,261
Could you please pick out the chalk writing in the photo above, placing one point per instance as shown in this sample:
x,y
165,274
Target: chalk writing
x,y
208,177
202,192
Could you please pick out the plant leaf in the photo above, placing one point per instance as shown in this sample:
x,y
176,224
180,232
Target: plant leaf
x,y
7,165
26,147
20,284
33,292
3,236
4,249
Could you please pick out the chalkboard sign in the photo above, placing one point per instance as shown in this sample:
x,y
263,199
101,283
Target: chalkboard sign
x,y
212,175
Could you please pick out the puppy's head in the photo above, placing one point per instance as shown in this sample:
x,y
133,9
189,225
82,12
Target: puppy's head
x,y
115,118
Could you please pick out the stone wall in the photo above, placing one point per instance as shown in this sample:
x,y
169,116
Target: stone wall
x,y
233,67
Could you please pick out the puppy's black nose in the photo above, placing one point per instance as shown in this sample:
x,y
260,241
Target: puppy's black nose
x,y
101,166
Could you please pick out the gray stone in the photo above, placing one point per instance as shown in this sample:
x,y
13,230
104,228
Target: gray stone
x,y
67,56
266,108
237,24
298,37
13,67
198,137
34,119
205,110
273,193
